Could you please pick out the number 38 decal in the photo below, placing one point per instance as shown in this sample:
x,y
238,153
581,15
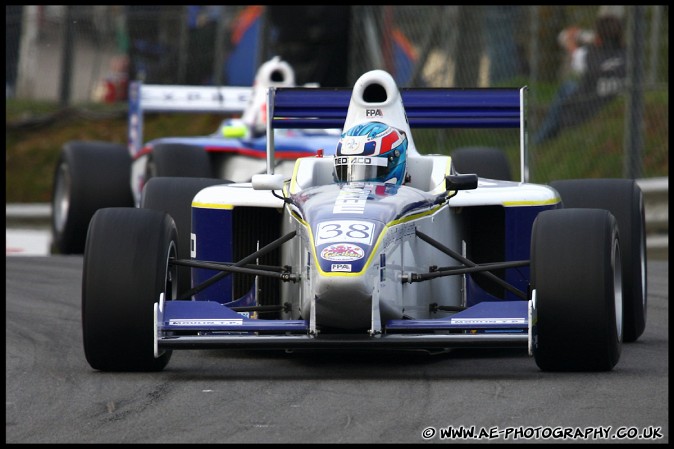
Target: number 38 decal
x,y
344,231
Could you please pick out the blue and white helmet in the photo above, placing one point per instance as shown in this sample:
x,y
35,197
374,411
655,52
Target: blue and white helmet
x,y
372,152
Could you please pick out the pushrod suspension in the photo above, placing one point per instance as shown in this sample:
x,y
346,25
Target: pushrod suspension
x,y
472,264
262,251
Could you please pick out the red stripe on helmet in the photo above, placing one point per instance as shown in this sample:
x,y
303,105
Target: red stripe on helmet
x,y
388,140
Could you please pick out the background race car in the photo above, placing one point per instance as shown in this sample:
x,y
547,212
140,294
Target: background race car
x,y
93,175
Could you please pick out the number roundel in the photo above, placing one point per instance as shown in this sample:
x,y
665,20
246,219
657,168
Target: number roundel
x,y
342,231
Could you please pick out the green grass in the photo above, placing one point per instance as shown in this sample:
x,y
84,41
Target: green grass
x,y
592,150
35,133
34,139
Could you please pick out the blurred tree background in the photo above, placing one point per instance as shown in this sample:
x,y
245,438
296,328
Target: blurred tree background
x,y
67,70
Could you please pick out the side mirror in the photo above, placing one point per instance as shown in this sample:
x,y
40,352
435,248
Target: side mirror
x,y
267,182
461,182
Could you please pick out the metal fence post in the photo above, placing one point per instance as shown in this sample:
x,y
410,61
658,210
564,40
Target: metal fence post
x,y
67,57
634,113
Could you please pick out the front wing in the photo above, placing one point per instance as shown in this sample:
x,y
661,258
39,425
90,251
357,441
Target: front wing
x,y
211,325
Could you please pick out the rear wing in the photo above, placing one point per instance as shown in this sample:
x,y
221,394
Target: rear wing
x,y
177,98
425,108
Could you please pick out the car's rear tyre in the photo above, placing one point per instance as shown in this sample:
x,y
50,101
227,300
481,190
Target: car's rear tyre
x,y
174,196
126,268
624,199
179,160
486,162
576,289
88,176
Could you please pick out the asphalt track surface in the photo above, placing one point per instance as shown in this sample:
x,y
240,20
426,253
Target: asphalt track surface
x,y
233,396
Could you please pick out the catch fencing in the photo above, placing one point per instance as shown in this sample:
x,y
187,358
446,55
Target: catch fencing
x,y
77,55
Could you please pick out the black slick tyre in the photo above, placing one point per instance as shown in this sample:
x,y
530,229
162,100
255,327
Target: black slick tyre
x,y
174,196
576,290
179,160
126,268
88,176
486,162
624,199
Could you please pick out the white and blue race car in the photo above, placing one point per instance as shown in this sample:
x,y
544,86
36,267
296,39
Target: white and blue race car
x,y
91,175
375,247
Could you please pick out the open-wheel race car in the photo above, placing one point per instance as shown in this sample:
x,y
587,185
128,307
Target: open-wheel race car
x,y
375,247
90,175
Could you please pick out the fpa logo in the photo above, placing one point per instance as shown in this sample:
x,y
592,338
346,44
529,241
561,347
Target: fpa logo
x,y
340,267
373,113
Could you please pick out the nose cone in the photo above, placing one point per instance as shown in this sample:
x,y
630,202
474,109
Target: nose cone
x,y
344,302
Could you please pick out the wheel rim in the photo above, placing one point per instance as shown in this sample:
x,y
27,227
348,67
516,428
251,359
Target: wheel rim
x,y
618,289
61,204
171,275
150,169
642,257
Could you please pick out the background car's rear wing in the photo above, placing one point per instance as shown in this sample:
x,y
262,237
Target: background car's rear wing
x,y
425,108
176,98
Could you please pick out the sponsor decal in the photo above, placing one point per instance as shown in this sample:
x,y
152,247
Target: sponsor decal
x,y
488,320
352,146
206,322
342,252
397,233
373,113
360,160
351,200
340,267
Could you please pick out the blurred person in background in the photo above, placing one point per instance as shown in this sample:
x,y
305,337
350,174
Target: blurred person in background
x,y
314,39
202,25
597,71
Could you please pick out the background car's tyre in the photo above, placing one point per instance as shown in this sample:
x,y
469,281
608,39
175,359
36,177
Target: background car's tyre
x,y
125,270
174,196
575,273
88,176
179,160
486,162
624,199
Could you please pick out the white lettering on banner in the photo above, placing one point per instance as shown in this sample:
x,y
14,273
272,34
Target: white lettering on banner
x,y
488,320
206,322
360,160
351,200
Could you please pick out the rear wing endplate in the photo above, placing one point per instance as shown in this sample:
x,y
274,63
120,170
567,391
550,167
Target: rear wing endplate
x,y
425,108
179,98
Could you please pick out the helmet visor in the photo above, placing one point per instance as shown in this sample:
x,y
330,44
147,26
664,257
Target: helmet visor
x,y
361,168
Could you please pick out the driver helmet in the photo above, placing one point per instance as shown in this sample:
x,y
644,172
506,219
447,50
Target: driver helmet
x,y
371,152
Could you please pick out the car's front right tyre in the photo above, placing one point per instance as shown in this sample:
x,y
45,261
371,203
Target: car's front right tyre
x,y
126,268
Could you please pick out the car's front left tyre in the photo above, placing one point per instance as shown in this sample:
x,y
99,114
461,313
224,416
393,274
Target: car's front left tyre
x,y
625,200
576,285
